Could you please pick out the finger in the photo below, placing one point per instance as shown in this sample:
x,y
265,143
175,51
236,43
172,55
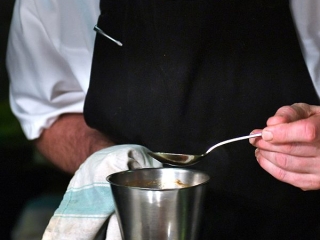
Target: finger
x,y
285,114
292,113
298,122
300,180
305,130
253,140
294,148
289,162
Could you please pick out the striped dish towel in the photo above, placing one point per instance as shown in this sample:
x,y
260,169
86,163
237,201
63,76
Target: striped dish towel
x,y
87,209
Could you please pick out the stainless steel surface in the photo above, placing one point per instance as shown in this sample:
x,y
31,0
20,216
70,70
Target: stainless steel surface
x,y
176,159
161,203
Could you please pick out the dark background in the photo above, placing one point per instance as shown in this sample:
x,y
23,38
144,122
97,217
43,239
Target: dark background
x,y
24,174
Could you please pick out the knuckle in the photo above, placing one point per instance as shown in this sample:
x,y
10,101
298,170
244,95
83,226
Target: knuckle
x,y
289,148
299,105
310,132
281,161
287,110
301,109
281,175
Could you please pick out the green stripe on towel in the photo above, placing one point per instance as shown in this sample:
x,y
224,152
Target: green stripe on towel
x,y
95,201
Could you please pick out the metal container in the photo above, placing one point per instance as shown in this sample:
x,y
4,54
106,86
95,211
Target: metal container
x,y
159,203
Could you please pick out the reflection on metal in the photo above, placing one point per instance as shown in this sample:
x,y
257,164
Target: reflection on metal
x,y
99,30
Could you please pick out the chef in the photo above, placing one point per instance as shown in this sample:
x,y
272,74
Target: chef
x,y
179,76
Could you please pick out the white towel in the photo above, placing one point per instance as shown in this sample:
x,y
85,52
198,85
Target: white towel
x,y
87,208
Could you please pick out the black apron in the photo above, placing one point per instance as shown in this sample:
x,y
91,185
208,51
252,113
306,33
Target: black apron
x,y
192,73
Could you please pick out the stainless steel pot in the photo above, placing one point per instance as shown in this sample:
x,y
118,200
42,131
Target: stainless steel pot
x,y
161,203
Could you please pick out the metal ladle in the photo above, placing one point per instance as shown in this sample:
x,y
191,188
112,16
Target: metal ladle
x,y
187,159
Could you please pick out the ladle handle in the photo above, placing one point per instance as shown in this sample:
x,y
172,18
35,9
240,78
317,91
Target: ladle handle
x,y
233,140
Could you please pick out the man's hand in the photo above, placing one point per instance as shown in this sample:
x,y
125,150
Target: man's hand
x,y
69,142
290,146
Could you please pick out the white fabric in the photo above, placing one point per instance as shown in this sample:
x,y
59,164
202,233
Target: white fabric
x,y
50,50
87,204
307,18
49,59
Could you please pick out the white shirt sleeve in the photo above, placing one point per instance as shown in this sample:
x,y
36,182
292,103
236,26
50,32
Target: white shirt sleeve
x,y
49,59
306,14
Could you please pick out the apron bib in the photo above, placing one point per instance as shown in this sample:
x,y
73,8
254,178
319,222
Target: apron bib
x,y
192,73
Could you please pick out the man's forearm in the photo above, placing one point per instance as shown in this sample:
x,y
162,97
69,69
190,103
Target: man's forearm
x,y
69,141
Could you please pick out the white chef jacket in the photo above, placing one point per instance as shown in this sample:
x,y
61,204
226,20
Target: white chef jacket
x,y
50,50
